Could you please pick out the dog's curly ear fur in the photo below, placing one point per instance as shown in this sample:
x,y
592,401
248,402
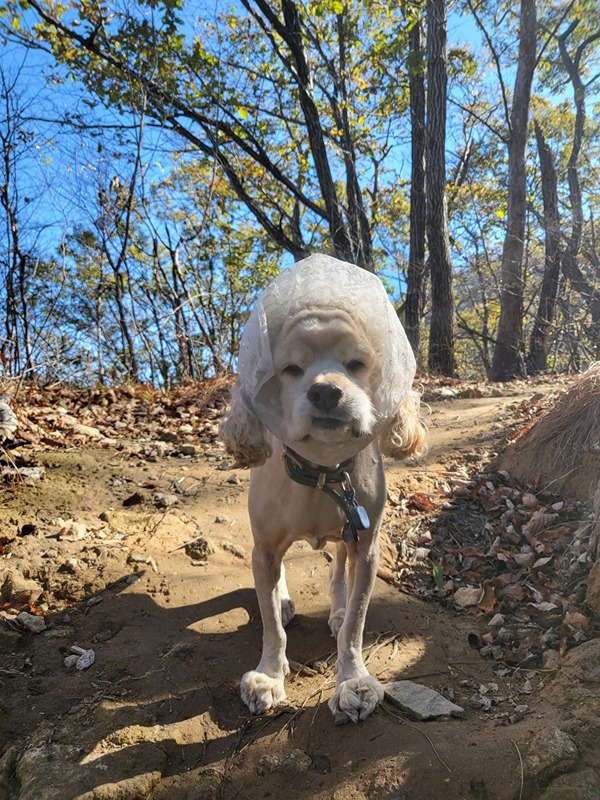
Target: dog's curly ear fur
x,y
243,434
406,434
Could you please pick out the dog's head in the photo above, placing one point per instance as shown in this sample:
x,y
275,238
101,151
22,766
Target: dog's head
x,y
327,372
324,374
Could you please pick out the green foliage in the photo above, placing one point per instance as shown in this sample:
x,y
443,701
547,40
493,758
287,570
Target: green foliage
x,y
219,177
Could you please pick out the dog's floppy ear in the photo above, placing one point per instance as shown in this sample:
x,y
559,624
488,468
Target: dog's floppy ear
x,y
243,434
406,435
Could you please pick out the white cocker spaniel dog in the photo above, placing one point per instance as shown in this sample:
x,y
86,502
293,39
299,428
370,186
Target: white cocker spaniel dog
x,y
323,390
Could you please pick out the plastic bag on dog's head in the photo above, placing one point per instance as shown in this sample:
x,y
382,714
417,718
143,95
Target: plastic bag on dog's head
x,y
321,281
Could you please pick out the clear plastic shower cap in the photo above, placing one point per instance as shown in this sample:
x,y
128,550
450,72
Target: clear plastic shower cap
x,y
321,281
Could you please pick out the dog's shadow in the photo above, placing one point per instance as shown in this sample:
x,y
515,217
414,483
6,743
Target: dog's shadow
x,y
163,669
168,703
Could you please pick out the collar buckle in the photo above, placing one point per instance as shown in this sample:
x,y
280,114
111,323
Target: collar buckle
x,y
326,479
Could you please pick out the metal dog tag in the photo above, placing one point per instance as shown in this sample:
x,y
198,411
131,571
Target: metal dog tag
x,y
360,518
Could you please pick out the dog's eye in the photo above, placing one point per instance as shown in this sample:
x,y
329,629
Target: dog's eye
x,y
355,365
293,370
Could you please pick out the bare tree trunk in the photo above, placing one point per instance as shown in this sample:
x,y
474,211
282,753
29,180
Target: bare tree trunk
x,y
507,362
16,349
441,339
415,279
586,288
537,358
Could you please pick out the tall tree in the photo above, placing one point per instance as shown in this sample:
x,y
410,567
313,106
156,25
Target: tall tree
x,y
537,357
507,361
588,289
416,273
441,339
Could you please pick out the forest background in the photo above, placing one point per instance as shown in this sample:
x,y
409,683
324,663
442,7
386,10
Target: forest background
x,y
161,160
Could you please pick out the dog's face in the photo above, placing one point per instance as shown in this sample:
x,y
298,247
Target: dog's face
x,y
327,370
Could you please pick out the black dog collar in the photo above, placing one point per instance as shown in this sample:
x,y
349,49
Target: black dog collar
x,y
326,479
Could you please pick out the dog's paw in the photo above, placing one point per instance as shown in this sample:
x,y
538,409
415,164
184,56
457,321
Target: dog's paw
x,y
288,609
260,692
335,621
355,699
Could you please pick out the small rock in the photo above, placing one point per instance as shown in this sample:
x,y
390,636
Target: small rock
x,y
84,658
518,714
167,436
234,480
187,449
70,661
200,548
551,753
59,632
296,763
234,549
420,702
71,566
32,623
137,558
162,500
269,764
103,636
467,596
550,659
18,588
30,475
71,530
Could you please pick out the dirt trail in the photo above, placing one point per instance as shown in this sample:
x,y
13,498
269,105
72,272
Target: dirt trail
x,y
158,715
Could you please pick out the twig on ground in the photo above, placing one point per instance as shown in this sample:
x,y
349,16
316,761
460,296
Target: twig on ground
x,y
516,746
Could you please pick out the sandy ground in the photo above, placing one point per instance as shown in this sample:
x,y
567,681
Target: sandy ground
x,y
158,715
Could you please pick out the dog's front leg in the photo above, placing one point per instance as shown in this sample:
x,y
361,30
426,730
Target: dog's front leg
x,y
263,687
357,693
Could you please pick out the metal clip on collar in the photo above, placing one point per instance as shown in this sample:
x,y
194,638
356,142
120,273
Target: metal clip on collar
x,y
322,478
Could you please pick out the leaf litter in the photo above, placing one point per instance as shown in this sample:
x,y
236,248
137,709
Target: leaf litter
x,y
493,549
513,557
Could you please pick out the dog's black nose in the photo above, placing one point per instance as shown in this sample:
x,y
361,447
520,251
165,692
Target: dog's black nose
x,y
324,396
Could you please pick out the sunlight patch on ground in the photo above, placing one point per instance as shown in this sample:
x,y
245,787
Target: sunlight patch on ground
x,y
223,622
